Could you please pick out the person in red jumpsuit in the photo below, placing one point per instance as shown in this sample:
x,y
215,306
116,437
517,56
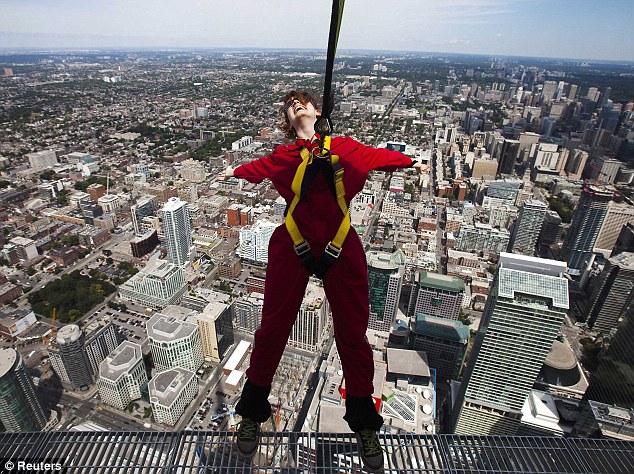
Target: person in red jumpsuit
x,y
318,217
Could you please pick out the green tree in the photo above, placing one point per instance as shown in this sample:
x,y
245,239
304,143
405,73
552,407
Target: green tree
x,y
70,240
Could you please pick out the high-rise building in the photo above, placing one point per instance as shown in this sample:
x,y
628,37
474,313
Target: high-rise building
x,y
585,227
177,229
436,295
20,409
122,375
254,241
508,156
158,285
69,358
171,392
551,229
174,343
593,94
101,339
605,96
528,226
576,163
572,93
482,237
193,170
145,207
549,90
625,240
310,328
613,380
247,312
618,215
611,292
216,330
444,341
385,278
522,317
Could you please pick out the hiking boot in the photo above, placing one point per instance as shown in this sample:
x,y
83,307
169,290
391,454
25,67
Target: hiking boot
x,y
370,450
248,437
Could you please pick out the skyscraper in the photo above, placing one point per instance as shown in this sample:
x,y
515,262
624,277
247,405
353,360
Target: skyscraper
x,y
145,207
177,229
444,341
611,292
585,227
157,285
528,226
523,314
20,409
122,375
247,312
174,343
171,392
309,330
216,330
436,295
385,278
613,381
69,358
254,241
618,215
101,339
551,229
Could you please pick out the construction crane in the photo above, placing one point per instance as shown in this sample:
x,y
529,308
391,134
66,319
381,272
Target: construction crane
x,y
47,340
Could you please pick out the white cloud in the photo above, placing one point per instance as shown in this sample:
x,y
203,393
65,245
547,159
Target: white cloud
x,y
459,41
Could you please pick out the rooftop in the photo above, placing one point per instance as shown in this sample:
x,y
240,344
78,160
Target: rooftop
x,y
401,361
440,282
319,453
120,361
164,328
165,387
561,357
7,360
449,329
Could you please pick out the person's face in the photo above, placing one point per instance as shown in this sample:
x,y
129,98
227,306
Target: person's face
x,y
296,110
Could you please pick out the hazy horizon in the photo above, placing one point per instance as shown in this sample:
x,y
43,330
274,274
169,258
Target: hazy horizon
x,y
566,29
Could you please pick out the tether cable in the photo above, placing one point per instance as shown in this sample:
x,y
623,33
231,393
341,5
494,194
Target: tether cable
x,y
324,125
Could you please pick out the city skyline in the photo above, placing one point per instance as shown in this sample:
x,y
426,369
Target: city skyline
x,y
563,29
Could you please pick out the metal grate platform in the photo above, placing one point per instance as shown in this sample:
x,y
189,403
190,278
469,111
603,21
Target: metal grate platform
x,y
285,453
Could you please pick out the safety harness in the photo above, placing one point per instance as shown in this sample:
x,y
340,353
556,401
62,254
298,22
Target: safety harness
x,y
313,161
316,158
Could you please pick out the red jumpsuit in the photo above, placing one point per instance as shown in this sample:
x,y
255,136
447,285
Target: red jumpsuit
x,y
345,283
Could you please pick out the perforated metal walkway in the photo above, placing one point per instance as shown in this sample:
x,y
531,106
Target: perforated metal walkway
x,y
214,452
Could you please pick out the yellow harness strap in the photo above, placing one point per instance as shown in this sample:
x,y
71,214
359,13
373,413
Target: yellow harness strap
x,y
302,248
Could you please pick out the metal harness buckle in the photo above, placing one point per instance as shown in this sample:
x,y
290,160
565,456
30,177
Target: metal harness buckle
x,y
332,251
302,248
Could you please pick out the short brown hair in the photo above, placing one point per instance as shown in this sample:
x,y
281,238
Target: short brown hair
x,y
304,97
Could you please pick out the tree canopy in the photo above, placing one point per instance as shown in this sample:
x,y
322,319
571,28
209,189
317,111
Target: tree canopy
x,y
73,295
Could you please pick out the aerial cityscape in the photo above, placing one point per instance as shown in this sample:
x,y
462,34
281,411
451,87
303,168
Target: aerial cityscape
x,y
501,271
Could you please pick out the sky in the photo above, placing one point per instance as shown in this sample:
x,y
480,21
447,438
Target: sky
x,y
576,29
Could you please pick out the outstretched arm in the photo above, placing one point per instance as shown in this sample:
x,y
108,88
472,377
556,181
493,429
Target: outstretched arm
x,y
381,159
255,171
